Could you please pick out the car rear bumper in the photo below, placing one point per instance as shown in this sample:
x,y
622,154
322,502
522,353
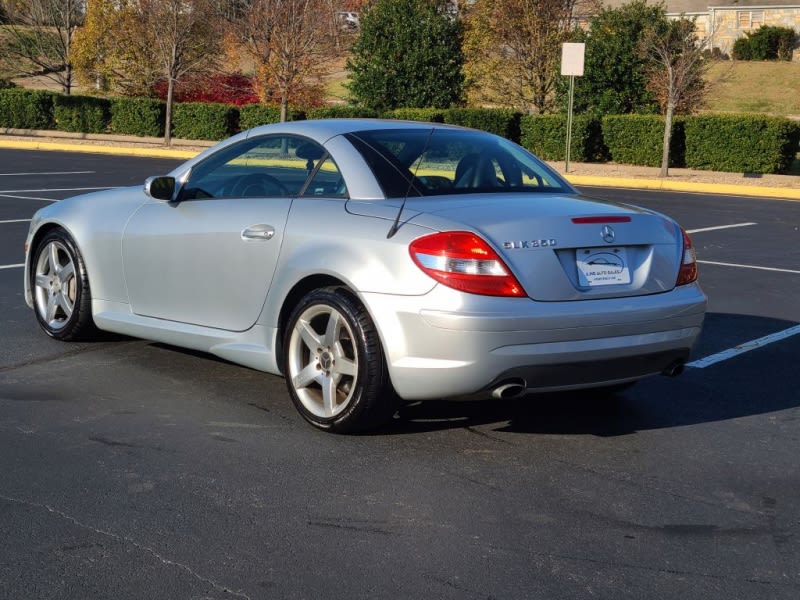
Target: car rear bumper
x,y
478,343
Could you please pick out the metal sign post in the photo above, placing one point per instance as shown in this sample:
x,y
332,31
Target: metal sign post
x,y
571,65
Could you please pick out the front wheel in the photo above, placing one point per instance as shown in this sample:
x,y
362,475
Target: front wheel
x,y
334,364
61,297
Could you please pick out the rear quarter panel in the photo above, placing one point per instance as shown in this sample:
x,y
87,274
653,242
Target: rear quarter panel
x,y
322,238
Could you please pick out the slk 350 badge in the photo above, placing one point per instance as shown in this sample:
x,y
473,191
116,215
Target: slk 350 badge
x,y
522,244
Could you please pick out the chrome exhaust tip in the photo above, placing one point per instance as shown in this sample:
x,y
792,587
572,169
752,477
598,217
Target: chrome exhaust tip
x,y
509,389
674,369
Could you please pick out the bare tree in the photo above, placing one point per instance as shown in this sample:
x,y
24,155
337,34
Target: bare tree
x,y
290,42
184,41
676,69
39,38
513,47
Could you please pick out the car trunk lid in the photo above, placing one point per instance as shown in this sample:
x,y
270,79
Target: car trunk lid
x,y
565,247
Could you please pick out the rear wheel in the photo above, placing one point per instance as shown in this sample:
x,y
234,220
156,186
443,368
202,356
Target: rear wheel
x,y
60,286
334,364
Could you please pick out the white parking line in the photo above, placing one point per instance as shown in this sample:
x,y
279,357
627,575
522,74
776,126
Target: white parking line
x,y
47,173
774,269
28,198
11,266
16,221
742,348
718,227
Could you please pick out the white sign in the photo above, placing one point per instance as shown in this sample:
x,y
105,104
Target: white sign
x,y
602,266
572,59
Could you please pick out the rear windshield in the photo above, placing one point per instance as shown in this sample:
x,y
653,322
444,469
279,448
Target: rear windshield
x,y
434,162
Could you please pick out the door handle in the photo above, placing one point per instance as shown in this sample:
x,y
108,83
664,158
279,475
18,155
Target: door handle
x,y
258,232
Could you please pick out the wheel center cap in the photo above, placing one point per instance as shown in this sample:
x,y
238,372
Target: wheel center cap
x,y
326,360
56,284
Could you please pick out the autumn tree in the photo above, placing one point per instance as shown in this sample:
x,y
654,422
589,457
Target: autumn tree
x,y
513,48
38,39
123,63
675,67
152,40
408,54
290,42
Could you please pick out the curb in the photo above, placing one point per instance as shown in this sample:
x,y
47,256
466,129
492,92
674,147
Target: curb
x,y
664,185
99,149
728,189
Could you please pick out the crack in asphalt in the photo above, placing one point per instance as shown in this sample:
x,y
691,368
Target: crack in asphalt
x,y
483,434
641,567
48,359
125,539
647,486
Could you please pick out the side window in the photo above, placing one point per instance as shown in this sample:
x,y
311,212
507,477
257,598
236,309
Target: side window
x,y
327,181
260,167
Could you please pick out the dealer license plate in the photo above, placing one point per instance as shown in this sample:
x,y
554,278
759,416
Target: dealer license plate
x,y
602,266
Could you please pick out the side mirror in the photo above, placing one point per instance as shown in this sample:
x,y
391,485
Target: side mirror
x,y
160,188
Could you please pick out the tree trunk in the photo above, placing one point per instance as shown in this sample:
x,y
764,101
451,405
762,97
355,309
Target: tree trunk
x,y
667,138
68,80
284,107
168,119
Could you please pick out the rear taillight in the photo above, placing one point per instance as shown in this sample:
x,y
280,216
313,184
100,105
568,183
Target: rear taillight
x,y
688,270
464,261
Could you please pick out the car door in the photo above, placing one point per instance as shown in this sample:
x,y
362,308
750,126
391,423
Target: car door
x,y
208,258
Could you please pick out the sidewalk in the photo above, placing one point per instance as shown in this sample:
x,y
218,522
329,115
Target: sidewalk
x,y
580,174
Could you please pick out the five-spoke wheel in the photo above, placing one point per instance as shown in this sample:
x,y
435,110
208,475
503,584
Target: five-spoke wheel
x,y
60,288
334,365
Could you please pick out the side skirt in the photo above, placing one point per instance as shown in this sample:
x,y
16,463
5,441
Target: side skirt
x,y
251,348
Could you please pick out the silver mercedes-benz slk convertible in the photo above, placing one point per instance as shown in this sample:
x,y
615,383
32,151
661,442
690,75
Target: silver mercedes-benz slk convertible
x,y
369,261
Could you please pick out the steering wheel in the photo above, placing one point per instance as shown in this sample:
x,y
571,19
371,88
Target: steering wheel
x,y
258,184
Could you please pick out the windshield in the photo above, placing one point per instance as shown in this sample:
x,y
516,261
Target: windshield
x,y
434,162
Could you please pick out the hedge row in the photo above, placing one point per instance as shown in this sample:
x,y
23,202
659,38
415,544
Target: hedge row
x,y
735,143
743,143
26,109
545,136
638,139
732,143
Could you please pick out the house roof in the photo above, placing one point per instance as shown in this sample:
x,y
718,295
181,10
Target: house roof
x,y
696,6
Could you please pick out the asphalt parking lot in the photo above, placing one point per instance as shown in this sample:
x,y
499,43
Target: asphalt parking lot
x,y
136,470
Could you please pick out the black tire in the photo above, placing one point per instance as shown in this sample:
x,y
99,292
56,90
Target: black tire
x,y
330,343
62,299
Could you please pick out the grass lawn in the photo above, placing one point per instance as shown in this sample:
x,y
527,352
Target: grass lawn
x,y
760,87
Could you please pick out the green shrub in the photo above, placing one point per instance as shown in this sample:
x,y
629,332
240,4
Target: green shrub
x,y
741,143
341,112
81,114
500,121
26,109
427,115
253,115
639,139
138,116
203,120
741,49
768,42
546,136
407,53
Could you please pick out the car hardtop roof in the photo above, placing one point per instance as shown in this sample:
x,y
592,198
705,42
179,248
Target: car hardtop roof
x,y
324,129
318,130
